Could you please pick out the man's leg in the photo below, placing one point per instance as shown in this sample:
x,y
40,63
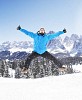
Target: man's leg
x,y
30,58
49,56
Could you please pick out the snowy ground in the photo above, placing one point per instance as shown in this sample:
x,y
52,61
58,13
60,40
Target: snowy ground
x,y
63,87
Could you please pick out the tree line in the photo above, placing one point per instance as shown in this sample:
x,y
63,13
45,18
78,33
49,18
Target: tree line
x,y
39,67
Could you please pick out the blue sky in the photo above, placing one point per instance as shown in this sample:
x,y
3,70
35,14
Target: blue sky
x,y
33,14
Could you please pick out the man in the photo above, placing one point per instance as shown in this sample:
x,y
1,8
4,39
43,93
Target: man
x,y
40,41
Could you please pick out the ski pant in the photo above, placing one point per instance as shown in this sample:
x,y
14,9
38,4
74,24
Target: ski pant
x,y
46,54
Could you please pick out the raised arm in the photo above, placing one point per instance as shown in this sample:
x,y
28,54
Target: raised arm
x,y
54,35
31,34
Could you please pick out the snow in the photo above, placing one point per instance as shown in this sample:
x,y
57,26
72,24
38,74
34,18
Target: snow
x,y
54,51
63,87
11,72
77,68
73,54
12,50
68,46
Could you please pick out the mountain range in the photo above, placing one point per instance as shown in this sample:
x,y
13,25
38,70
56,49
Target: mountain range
x,y
67,47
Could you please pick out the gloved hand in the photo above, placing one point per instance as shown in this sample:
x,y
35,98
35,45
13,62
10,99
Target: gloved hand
x,y
19,27
64,30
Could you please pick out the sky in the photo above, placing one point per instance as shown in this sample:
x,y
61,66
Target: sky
x,y
53,15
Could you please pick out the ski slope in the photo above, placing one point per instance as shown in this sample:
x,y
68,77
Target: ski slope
x,y
63,87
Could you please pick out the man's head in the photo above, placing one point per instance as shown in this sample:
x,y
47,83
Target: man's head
x,y
42,31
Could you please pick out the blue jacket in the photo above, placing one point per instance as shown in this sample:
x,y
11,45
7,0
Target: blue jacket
x,y
40,41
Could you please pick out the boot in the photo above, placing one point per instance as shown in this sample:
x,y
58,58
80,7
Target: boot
x,y
24,70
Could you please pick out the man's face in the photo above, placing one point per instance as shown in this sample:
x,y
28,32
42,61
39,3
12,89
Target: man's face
x,y
42,31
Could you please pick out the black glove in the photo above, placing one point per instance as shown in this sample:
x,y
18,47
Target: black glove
x,y
64,30
19,27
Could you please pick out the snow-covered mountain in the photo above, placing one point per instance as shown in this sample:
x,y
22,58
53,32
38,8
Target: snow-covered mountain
x,y
16,46
70,46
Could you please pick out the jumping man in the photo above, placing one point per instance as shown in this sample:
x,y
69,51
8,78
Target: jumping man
x,y
40,45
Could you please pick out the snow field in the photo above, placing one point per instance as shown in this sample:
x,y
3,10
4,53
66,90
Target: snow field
x,y
63,87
